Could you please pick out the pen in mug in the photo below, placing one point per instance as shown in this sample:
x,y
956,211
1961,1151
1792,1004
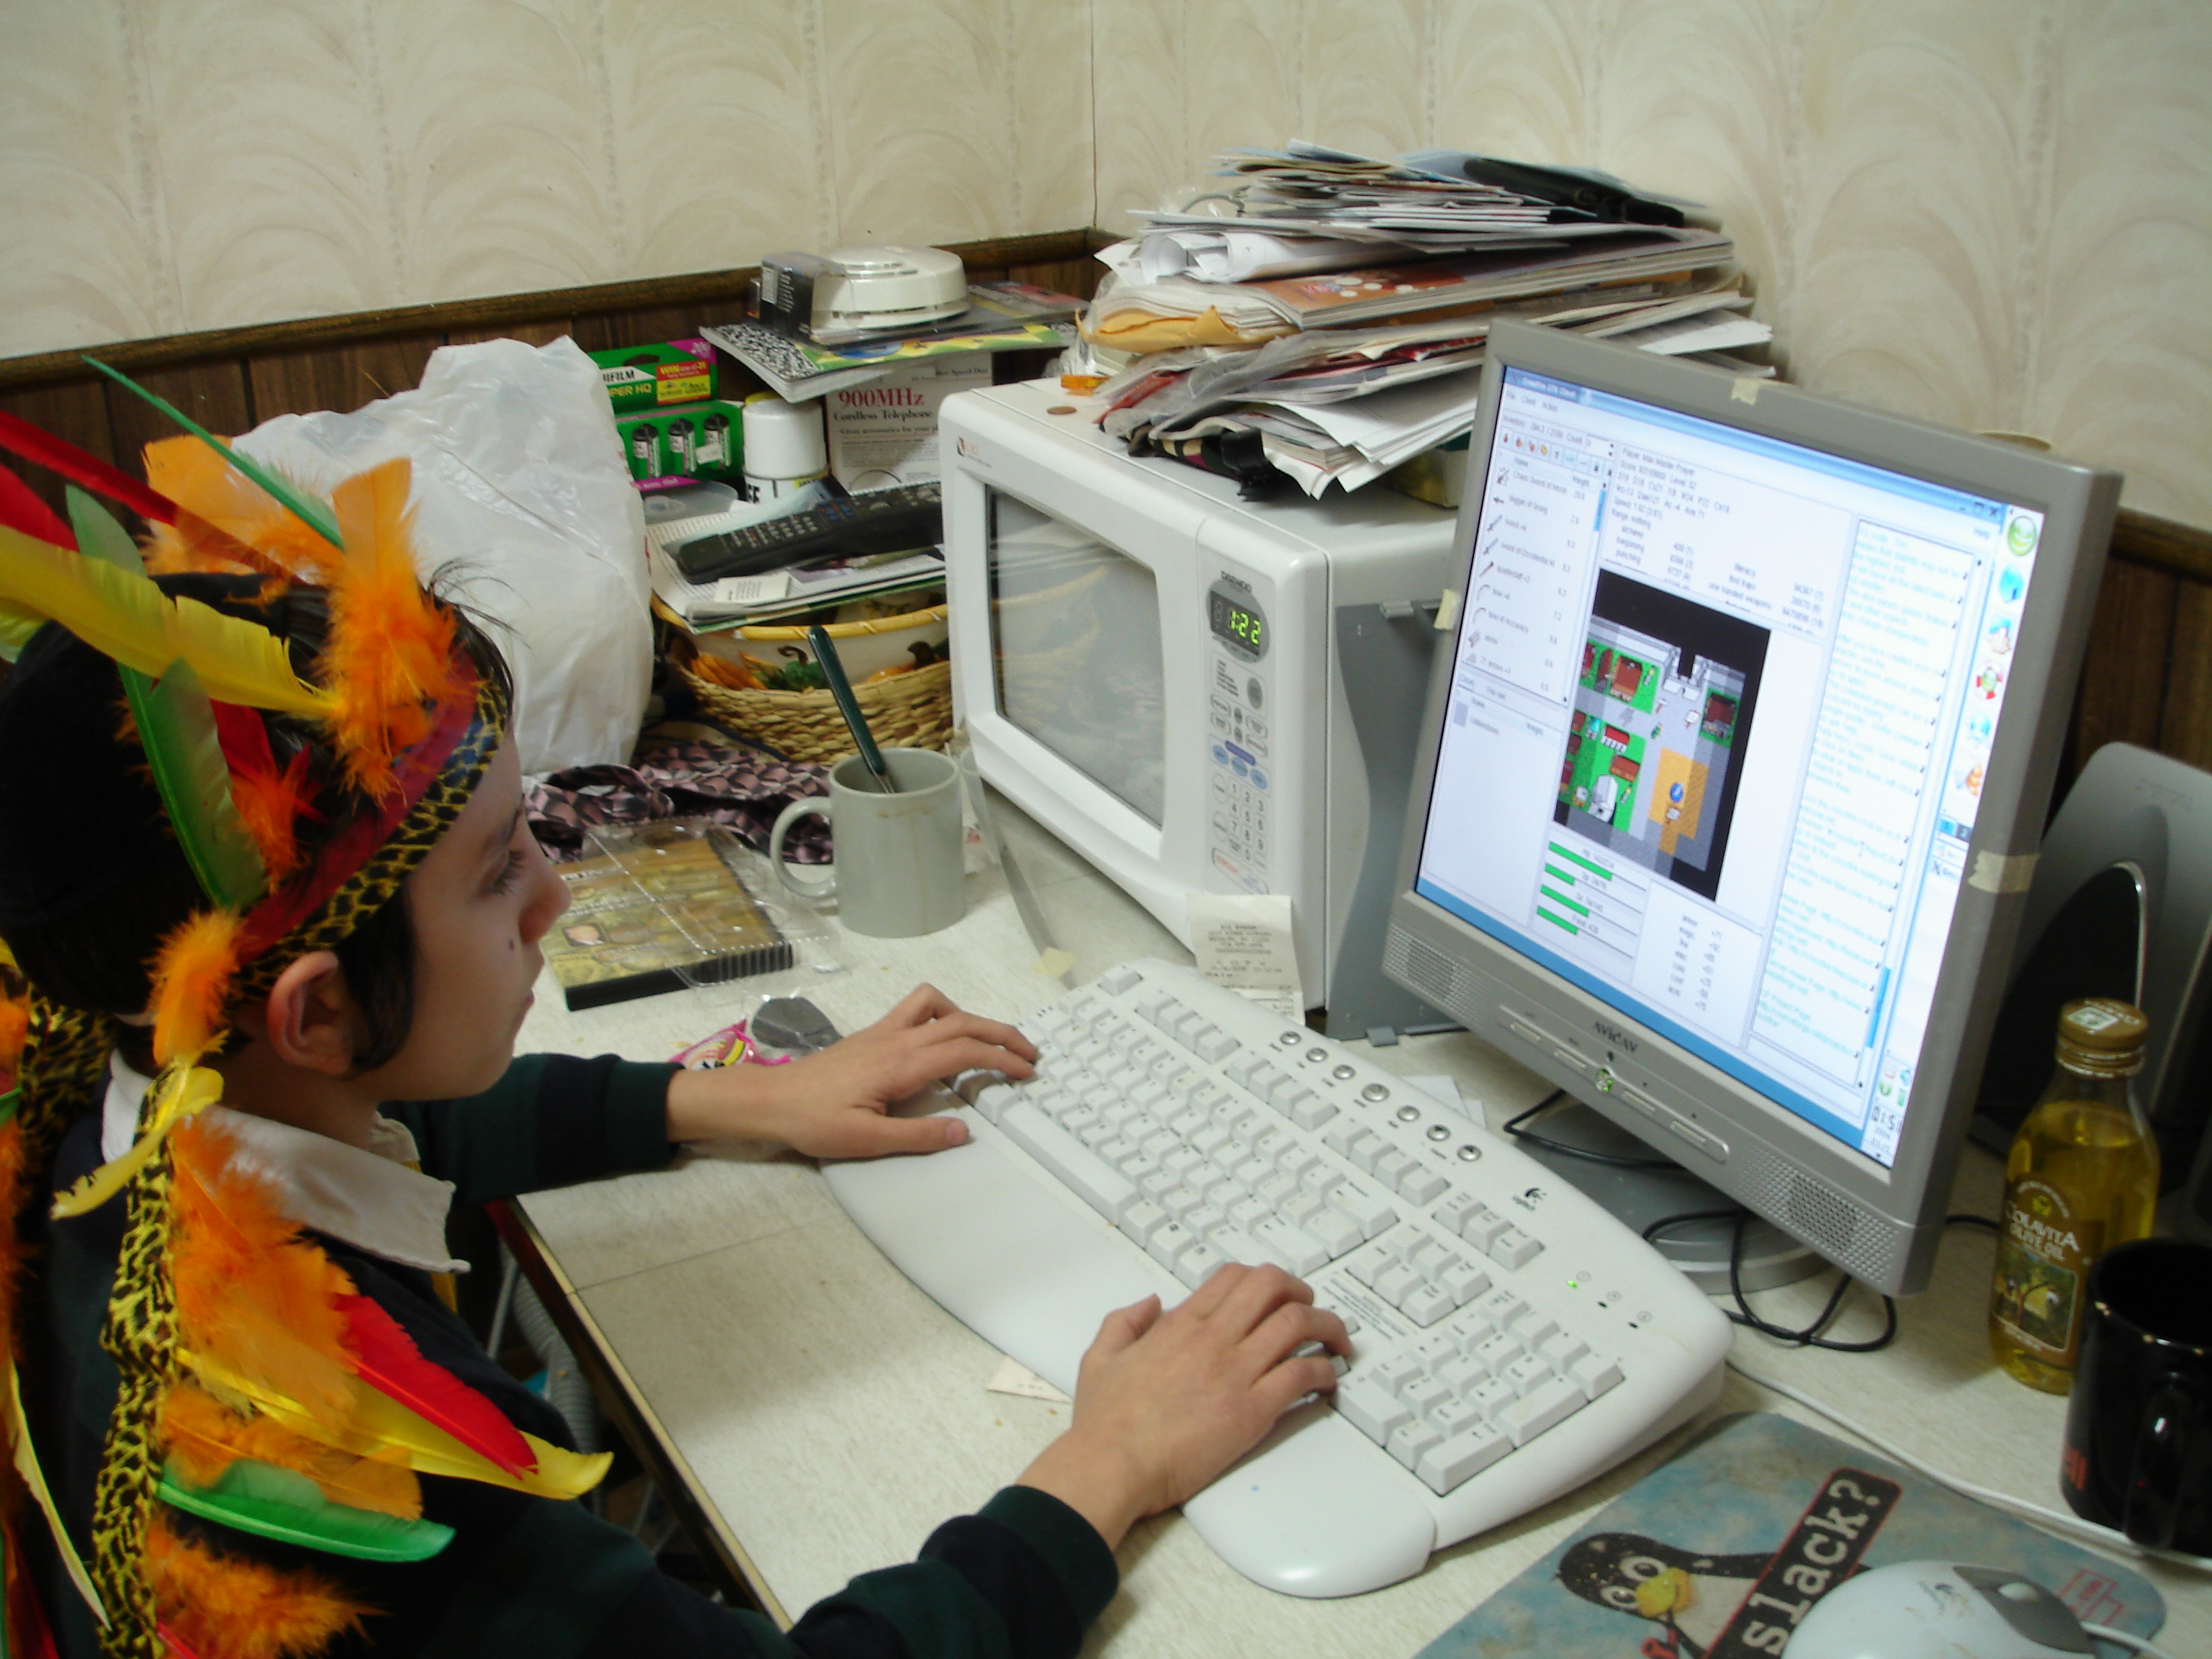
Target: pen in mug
x,y
833,671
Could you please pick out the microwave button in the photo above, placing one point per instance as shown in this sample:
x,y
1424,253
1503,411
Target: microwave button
x,y
1239,768
1256,727
1242,754
1259,778
1221,755
1253,691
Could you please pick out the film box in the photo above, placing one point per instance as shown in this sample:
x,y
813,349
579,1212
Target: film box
x,y
653,376
684,443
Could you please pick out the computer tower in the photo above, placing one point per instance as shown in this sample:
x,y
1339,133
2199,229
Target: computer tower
x,y
2121,906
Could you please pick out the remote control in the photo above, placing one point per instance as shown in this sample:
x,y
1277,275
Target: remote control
x,y
880,521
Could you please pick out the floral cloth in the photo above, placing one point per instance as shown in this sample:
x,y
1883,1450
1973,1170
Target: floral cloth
x,y
730,784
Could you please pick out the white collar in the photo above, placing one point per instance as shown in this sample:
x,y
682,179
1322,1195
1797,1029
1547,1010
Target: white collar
x,y
371,1199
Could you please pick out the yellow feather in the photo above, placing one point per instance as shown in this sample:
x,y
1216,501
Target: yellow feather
x,y
127,618
181,1092
378,1425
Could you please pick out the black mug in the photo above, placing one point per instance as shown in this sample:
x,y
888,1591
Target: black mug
x,y
2138,1453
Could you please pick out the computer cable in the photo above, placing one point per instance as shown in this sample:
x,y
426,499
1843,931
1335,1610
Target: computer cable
x,y
1531,1137
1808,1337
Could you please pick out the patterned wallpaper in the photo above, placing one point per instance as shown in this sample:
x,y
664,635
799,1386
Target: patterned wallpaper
x,y
1989,213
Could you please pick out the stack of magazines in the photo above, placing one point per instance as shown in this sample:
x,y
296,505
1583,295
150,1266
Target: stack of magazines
x,y
1303,302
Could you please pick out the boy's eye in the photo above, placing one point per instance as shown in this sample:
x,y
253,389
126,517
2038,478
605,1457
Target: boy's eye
x,y
508,871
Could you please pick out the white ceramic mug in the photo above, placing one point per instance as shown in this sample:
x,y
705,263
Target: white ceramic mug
x,y
898,871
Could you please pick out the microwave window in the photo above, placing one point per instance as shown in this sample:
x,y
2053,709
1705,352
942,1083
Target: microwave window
x,y
1075,642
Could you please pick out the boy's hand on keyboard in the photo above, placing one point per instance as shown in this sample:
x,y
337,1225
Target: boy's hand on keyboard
x,y
836,1103
1166,1400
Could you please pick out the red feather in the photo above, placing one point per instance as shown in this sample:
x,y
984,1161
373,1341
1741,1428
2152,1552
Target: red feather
x,y
20,437
21,509
389,1362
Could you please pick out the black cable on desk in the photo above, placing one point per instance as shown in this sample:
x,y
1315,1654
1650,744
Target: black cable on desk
x,y
1810,1336
1529,1137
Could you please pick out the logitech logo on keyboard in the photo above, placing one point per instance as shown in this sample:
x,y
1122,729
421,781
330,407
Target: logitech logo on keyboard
x,y
1529,1198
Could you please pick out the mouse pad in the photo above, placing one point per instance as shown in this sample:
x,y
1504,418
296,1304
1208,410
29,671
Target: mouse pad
x,y
1719,1552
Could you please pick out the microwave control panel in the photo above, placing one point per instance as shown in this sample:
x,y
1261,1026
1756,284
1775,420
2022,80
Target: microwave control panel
x,y
1241,810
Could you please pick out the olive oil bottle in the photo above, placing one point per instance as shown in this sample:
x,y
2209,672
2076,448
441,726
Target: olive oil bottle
x,y
2083,1176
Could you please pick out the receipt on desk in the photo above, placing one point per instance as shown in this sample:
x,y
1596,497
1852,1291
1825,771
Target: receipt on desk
x,y
1243,942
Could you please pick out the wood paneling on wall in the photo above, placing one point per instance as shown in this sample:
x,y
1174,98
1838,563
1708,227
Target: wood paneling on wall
x,y
2147,678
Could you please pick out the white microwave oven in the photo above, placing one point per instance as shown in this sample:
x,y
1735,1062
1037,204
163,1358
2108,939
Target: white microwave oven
x,y
1197,693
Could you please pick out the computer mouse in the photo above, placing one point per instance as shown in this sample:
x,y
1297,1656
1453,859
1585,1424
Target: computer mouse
x,y
1938,1610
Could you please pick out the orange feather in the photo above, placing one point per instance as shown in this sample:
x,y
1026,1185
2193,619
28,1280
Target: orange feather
x,y
223,511
191,982
389,660
270,805
251,1292
205,1437
229,1607
14,1026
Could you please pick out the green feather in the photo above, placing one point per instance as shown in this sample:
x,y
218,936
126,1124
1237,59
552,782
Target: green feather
x,y
305,508
283,1505
176,726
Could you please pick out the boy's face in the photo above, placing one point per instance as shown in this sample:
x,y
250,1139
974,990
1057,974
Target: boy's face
x,y
479,902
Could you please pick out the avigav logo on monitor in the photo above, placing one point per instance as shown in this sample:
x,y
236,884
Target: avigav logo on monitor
x,y
1613,1033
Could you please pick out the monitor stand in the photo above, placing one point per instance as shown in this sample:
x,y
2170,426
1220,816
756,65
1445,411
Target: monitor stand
x,y
1637,1197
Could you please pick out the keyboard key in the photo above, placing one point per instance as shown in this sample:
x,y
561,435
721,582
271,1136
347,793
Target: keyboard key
x,y
1198,1264
1392,1166
1562,1350
1544,1407
1338,1232
1370,1210
1409,1443
1311,1111
1492,1395
1371,1407
1168,1243
1459,1459
1526,1372
1212,1043
1501,1307
993,1101
1424,1395
1463,1373
1426,1303
1514,1248
1395,1281
1422,1186
1141,1218
1396,1371
1464,1281
1497,1351
1115,980
1481,1226
1366,1147
1534,1327
1099,1185
1338,1138
1290,1248
1594,1374
1302,1205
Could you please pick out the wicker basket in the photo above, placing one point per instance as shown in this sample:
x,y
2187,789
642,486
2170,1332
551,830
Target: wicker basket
x,y
907,711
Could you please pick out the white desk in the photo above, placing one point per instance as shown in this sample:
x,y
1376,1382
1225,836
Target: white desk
x,y
826,1415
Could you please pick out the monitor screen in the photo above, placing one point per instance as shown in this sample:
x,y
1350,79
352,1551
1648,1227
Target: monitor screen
x,y
1712,746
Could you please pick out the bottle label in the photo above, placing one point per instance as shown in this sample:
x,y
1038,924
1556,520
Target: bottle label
x,y
2041,1258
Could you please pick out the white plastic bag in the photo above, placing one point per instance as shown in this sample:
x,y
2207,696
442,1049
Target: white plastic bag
x,y
524,513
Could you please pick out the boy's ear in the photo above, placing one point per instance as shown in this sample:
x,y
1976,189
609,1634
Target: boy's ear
x,y
309,1019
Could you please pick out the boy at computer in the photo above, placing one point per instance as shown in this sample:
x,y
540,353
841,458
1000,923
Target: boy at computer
x,y
264,865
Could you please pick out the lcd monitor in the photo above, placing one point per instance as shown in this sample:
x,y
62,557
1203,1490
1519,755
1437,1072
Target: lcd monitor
x,y
1731,783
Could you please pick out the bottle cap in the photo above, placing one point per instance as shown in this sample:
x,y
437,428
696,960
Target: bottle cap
x,y
2103,1035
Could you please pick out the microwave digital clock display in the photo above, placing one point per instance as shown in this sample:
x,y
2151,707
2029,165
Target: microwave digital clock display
x,y
1243,626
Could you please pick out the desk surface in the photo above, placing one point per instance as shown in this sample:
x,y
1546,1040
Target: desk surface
x,y
826,1415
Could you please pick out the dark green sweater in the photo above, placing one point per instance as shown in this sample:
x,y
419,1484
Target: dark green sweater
x,y
1022,1577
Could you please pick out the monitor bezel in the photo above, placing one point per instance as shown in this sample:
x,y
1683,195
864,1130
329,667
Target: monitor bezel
x,y
1779,1165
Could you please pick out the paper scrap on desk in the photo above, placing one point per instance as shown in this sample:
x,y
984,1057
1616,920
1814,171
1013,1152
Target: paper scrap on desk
x,y
1014,1377
1244,941
1442,1089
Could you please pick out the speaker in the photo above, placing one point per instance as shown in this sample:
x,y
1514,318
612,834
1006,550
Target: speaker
x,y
2121,906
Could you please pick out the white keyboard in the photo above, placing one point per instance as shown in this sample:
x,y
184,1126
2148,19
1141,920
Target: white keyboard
x,y
1511,1339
